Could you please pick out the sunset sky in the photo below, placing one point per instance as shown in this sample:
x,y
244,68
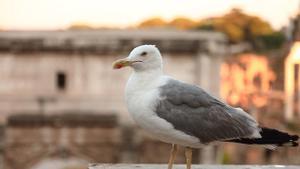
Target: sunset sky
x,y
59,14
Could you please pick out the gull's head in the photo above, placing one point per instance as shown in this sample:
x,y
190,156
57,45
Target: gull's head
x,y
141,58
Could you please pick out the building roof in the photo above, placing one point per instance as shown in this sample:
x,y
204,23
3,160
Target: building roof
x,y
107,41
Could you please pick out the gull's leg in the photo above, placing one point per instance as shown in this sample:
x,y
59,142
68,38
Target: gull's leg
x,y
172,156
188,156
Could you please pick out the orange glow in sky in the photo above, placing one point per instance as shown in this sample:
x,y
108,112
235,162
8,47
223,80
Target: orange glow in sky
x,y
59,14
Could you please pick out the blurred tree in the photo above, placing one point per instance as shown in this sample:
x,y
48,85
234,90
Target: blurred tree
x,y
178,23
271,41
182,23
153,23
238,26
80,26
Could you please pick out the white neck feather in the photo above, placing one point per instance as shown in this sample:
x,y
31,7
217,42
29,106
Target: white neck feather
x,y
141,80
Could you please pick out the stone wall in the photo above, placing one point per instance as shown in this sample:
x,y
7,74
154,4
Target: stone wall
x,y
56,72
30,139
47,76
38,141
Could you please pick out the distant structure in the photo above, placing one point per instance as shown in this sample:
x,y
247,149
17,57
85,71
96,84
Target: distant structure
x,y
62,71
61,141
292,82
55,84
292,70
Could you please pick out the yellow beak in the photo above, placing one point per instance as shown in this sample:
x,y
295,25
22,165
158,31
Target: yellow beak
x,y
123,63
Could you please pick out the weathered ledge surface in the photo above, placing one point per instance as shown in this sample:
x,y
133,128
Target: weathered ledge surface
x,y
181,166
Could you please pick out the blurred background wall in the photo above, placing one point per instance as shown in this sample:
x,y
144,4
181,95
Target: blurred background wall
x,y
51,79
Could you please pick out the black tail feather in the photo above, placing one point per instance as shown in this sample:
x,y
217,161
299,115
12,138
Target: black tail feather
x,y
270,136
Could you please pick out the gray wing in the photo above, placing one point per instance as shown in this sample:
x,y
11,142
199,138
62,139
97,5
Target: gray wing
x,y
191,110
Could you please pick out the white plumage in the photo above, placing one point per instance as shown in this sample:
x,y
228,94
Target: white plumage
x,y
141,105
142,96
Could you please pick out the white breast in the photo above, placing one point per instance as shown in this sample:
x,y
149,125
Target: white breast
x,y
141,99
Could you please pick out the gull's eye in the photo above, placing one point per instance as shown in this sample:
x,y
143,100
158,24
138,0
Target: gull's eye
x,y
143,53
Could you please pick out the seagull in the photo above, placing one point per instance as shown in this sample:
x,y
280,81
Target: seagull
x,y
183,114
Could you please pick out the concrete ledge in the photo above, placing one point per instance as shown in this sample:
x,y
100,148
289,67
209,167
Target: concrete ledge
x,y
181,166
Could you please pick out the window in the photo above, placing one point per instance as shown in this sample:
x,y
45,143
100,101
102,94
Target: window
x,y
61,81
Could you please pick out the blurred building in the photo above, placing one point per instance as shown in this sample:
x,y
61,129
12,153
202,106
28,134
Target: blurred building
x,y
56,84
292,69
63,71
